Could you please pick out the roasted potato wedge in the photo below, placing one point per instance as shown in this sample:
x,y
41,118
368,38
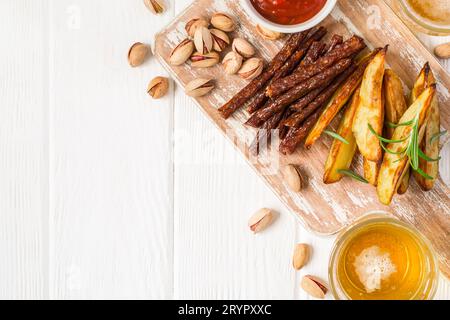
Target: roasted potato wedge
x,y
421,83
395,100
371,171
419,86
429,147
395,108
341,155
394,167
404,184
371,109
339,99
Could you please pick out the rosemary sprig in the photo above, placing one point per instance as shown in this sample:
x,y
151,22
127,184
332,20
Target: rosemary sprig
x,y
438,136
423,174
352,175
413,146
384,139
390,151
412,151
404,124
336,136
427,158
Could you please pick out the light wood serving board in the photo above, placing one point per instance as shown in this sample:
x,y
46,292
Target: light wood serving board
x,y
324,209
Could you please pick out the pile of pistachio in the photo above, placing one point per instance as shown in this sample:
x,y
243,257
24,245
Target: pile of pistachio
x,y
206,40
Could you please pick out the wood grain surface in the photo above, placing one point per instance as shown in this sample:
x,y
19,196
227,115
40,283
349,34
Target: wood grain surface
x,y
106,193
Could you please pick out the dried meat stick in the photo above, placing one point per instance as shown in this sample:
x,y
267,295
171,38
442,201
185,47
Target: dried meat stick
x,y
292,44
312,55
260,98
319,80
297,135
296,119
335,41
318,49
313,49
282,129
314,52
306,100
349,48
265,133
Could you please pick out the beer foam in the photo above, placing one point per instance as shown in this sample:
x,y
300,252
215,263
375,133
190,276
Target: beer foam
x,y
372,267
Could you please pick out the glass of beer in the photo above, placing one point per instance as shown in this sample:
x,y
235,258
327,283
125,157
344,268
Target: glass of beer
x,y
427,16
382,258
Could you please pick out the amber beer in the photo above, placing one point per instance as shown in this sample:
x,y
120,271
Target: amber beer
x,y
381,258
428,16
437,11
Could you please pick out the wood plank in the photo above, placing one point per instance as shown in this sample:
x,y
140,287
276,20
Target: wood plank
x,y
23,145
110,156
216,255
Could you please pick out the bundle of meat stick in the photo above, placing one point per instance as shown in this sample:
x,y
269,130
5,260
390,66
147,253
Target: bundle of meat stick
x,y
291,93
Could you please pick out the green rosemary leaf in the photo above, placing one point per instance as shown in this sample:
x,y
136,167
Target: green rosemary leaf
x,y
336,136
384,139
390,151
427,158
352,175
414,146
423,174
404,124
437,136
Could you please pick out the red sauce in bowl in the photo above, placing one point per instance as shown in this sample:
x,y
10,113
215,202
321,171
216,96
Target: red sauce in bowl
x,y
288,12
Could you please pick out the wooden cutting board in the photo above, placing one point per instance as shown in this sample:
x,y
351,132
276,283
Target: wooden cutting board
x,y
324,209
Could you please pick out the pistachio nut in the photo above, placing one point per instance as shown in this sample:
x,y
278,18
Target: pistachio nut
x,y
293,178
182,52
314,286
232,62
261,220
223,21
199,60
301,256
158,87
243,47
220,40
268,34
193,24
137,54
443,51
199,87
251,68
203,40
155,6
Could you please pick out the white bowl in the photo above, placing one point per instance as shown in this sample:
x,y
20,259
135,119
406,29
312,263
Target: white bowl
x,y
318,18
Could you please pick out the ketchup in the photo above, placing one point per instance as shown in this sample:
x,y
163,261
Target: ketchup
x,y
288,12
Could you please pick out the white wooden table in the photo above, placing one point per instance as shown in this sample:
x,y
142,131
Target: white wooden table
x,y
105,193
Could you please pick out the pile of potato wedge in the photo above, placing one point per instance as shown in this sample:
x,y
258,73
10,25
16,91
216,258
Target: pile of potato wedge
x,y
378,100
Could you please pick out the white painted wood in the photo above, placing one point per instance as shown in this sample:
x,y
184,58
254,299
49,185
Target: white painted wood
x,y
23,146
91,205
110,156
